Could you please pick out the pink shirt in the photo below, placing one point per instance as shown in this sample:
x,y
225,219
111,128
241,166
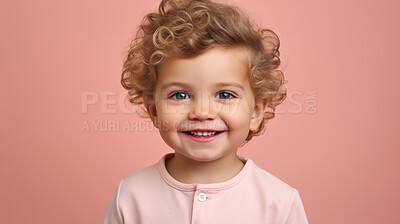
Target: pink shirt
x,y
254,196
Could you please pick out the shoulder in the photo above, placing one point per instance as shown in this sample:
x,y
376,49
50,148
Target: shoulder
x,y
264,177
274,193
140,180
270,187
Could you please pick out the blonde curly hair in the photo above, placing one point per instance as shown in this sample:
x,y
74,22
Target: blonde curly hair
x,y
188,28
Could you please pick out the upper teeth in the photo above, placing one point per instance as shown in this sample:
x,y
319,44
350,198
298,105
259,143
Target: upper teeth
x,y
199,133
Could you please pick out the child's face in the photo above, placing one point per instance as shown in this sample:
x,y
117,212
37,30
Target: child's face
x,y
206,93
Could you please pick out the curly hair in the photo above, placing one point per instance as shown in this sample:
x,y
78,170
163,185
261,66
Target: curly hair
x,y
187,28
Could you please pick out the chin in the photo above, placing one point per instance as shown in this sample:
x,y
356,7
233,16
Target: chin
x,y
206,156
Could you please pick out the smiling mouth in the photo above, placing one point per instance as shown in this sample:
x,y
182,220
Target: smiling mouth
x,y
202,133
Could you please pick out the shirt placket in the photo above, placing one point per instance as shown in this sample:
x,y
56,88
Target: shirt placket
x,y
203,203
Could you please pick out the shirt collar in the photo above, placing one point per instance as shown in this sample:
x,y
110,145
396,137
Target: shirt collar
x,y
248,166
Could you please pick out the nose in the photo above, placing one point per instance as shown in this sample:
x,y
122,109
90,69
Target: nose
x,y
203,108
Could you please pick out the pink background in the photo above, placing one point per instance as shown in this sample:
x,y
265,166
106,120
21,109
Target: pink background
x,y
336,138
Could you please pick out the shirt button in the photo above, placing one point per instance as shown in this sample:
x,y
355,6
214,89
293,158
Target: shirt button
x,y
202,197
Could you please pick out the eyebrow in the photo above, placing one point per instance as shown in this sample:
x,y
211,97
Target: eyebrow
x,y
174,84
221,84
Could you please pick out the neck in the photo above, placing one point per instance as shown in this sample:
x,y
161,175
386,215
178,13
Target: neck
x,y
189,171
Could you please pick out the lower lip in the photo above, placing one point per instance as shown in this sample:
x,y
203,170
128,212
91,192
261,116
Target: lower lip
x,y
203,138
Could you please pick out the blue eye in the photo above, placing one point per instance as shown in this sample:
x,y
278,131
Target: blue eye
x,y
179,96
225,95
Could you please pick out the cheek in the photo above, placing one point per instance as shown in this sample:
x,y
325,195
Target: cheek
x,y
170,121
239,109
236,120
167,110
235,108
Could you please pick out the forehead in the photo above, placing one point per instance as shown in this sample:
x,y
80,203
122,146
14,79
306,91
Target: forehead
x,y
213,66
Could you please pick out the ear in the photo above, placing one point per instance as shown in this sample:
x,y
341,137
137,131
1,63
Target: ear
x,y
149,103
258,114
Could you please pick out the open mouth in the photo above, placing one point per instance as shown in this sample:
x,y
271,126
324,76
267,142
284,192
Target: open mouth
x,y
204,134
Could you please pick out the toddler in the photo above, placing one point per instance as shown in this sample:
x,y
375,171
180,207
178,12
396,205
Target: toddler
x,y
209,80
